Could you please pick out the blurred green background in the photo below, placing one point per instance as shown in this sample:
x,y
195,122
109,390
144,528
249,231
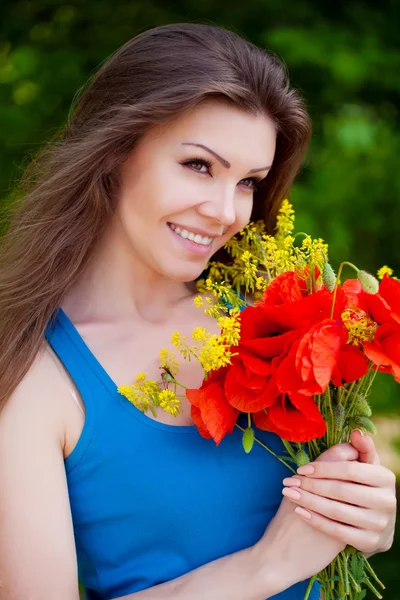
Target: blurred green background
x,y
343,56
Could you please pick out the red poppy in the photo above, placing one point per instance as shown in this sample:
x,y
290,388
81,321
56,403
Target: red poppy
x,y
383,307
351,365
211,413
296,419
384,351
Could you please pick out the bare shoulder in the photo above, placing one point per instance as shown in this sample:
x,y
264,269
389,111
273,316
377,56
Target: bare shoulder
x,y
42,399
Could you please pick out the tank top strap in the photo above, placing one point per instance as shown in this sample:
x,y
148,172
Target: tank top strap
x,y
79,361
87,374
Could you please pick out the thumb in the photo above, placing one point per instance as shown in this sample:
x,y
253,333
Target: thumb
x,y
365,446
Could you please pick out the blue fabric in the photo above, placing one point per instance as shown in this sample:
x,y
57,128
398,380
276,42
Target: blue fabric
x,y
150,501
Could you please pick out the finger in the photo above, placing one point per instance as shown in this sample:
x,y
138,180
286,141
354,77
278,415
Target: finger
x,y
372,475
345,451
361,539
365,445
378,499
363,518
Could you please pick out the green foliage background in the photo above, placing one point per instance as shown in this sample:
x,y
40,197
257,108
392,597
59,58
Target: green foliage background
x,y
343,56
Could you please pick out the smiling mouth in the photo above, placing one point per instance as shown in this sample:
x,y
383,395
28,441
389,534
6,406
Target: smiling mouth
x,y
190,235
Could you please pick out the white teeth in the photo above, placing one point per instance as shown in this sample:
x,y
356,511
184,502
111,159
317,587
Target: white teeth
x,y
194,237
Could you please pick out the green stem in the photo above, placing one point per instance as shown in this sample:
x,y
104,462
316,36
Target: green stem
x,y
372,572
371,381
309,587
354,582
372,588
269,450
346,574
289,449
180,384
248,420
342,590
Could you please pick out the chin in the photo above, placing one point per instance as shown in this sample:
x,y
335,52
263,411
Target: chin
x,y
183,275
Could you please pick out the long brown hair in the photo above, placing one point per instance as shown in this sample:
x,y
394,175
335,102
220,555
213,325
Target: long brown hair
x,y
69,190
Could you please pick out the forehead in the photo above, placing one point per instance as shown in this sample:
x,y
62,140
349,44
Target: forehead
x,y
227,129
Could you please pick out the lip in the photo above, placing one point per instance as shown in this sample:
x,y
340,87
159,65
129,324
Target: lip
x,y
190,246
196,230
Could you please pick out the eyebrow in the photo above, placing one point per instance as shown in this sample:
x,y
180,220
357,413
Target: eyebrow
x,y
223,161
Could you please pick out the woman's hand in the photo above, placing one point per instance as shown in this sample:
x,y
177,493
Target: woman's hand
x,y
351,501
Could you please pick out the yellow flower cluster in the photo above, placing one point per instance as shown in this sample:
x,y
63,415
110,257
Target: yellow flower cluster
x,y
211,350
146,395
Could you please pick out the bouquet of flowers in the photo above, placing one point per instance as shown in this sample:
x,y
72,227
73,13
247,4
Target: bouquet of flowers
x,y
298,351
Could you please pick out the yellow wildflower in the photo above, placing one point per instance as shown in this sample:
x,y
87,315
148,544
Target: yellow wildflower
x,y
214,354
384,271
176,339
199,334
230,329
169,362
169,402
261,283
137,396
140,378
198,302
285,220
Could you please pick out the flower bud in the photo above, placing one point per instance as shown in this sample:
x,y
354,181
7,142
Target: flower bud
x,y
339,414
368,282
362,407
365,423
302,457
328,277
248,439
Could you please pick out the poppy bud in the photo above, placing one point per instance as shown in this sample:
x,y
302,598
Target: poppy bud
x,y
368,282
302,457
248,439
328,277
365,423
362,407
339,415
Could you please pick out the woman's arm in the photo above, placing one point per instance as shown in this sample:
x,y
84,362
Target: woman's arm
x,y
239,576
37,549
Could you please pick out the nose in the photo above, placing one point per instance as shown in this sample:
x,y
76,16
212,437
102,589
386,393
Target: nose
x,y
220,207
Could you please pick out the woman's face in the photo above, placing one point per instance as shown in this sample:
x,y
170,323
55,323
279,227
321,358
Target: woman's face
x,y
188,187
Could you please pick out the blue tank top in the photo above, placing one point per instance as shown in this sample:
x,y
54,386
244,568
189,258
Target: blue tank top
x,y
151,502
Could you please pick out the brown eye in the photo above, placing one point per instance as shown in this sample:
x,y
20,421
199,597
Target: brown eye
x,y
199,162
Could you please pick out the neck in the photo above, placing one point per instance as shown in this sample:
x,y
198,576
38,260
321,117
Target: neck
x,y
117,284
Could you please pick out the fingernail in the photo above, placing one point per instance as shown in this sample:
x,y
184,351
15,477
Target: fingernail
x,y
292,481
306,470
359,431
304,514
291,493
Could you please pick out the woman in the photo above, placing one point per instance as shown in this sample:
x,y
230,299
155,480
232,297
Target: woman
x,y
187,129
